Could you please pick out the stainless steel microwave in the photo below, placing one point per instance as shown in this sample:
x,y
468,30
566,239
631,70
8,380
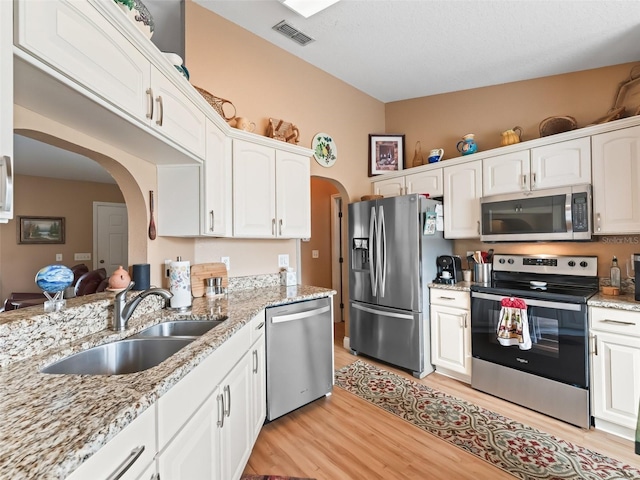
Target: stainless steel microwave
x,y
538,215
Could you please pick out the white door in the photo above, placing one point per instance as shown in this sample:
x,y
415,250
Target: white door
x,y
506,173
450,338
293,195
561,164
462,192
110,236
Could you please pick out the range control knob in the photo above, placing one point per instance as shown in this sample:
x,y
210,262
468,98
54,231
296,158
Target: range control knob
x,y
583,264
511,262
502,260
572,263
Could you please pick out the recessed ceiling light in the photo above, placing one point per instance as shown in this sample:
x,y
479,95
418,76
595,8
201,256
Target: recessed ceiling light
x,y
306,8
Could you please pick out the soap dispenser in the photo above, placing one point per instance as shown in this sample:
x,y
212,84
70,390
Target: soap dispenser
x,y
615,273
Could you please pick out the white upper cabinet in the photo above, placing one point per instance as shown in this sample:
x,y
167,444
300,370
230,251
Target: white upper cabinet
x,y
506,173
87,48
550,166
390,187
561,164
462,192
6,112
616,181
217,183
429,181
271,192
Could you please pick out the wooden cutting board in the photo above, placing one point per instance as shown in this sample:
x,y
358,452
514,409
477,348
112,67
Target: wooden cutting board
x,y
201,271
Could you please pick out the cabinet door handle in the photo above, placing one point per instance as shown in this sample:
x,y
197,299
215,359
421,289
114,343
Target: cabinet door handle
x,y
227,394
161,108
211,220
280,227
524,181
478,227
465,320
259,327
255,361
598,221
595,345
8,192
127,463
446,298
149,103
220,402
618,322
533,179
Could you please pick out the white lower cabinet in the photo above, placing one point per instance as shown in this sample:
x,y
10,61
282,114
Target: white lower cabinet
x,y
191,455
615,366
258,376
127,456
451,333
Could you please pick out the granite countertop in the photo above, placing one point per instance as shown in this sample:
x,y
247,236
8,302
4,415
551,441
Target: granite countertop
x,y
460,286
625,301
52,423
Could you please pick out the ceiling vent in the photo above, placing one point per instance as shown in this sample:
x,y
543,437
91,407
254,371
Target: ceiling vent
x,y
293,33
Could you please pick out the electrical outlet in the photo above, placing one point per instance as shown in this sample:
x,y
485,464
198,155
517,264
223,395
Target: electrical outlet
x,y
58,257
167,263
226,261
283,261
470,254
315,254
81,256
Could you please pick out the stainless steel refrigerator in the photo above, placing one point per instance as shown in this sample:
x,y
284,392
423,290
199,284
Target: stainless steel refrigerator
x,y
393,249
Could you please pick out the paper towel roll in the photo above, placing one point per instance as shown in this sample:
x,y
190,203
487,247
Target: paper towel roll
x,y
180,284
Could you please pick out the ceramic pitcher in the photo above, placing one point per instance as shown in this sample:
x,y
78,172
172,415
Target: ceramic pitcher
x,y
467,145
509,137
436,155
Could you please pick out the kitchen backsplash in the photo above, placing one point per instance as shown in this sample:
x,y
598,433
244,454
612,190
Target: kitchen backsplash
x,y
603,247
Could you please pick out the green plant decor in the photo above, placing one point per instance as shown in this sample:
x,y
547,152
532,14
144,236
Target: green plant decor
x,y
128,3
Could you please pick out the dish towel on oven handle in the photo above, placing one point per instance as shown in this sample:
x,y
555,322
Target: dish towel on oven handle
x,y
513,327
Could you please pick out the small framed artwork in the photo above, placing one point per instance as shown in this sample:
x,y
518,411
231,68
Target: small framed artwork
x,y
38,230
386,154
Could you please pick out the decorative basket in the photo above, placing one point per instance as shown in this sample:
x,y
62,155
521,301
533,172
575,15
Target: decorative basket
x,y
366,198
554,125
217,103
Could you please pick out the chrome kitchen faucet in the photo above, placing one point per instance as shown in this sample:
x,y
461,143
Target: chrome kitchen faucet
x,y
122,310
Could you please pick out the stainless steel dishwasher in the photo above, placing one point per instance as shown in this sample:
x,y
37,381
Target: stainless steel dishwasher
x,y
299,354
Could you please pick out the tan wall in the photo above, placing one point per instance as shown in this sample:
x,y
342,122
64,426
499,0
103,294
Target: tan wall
x,y
264,81
317,271
441,120
49,197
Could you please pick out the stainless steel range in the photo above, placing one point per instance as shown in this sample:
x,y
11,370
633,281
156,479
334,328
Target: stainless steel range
x,y
551,377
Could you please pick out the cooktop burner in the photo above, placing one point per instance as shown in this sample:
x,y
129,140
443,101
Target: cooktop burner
x,y
563,278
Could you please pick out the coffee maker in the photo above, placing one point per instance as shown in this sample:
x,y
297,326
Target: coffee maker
x,y
449,269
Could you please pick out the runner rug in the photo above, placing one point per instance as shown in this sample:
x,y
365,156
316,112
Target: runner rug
x,y
519,450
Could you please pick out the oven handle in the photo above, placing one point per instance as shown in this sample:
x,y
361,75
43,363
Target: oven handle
x,y
531,302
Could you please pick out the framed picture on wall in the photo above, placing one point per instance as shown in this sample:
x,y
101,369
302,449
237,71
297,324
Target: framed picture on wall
x,y
39,230
386,154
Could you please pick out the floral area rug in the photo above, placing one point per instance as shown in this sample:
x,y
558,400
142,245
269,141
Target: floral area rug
x,y
519,450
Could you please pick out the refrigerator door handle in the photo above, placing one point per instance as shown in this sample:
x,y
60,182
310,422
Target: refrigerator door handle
x,y
383,255
373,275
403,316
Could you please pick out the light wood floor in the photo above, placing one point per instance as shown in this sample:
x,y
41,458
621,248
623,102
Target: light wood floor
x,y
341,437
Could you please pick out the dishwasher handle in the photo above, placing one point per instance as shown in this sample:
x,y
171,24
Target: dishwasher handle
x,y
300,315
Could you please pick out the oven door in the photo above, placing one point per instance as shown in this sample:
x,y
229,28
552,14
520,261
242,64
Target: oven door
x,y
558,333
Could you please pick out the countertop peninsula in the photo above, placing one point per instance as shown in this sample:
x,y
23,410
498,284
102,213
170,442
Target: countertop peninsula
x,y
52,423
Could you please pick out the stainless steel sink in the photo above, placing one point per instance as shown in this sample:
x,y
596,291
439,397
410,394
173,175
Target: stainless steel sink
x,y
180,328
124,356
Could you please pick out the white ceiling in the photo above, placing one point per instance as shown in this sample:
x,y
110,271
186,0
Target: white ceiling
x,y
401,49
